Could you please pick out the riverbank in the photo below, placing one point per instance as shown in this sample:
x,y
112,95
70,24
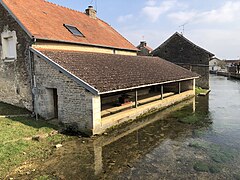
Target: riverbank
x,y
233,75
22,139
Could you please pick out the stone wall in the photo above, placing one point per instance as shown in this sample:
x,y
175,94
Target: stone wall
x,y
203,71
14,76
77,107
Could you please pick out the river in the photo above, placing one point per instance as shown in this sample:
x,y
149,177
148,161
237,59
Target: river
x,y
196,139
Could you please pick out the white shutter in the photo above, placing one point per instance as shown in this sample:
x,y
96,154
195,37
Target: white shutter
x,y
11,46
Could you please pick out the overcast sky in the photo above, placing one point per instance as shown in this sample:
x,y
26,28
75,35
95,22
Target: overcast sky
x,y
211,24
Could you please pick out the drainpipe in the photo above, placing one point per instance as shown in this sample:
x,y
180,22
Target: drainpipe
x,y
33,82
31,77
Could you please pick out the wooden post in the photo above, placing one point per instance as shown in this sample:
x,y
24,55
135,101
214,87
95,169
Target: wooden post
x,y
136,99
194,85
161,92
179,87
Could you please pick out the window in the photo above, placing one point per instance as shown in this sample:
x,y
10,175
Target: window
x,y
9,45
73,30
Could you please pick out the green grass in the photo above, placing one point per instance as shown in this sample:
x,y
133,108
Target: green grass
x,y
16,145
7,109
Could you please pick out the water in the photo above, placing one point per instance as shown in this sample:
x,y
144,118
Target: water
x,y
196,139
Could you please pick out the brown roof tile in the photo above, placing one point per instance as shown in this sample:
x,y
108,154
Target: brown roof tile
x,y
45,20
107,72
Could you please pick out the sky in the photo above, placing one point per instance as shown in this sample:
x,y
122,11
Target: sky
x,y
211,24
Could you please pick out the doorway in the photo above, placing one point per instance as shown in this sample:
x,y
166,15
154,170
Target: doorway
x,y
55,103
52,103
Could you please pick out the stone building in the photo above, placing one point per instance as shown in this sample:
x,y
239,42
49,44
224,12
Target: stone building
x,y
71,66
181,51
144,49
216,65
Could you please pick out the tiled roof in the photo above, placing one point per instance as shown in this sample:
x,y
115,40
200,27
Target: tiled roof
x,y
178,35
44,20
232,61
147,47
108,72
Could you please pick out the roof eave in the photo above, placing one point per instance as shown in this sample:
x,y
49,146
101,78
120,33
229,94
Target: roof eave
x,y
147,85
66,72
16,19
85,44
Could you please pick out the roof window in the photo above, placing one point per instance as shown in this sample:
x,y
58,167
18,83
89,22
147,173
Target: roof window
x,y
73,30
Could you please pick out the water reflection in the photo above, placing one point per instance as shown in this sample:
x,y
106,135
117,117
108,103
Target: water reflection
x,y
196,139
121,147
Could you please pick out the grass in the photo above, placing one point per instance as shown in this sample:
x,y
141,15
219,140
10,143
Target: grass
x,y
7,109
16,146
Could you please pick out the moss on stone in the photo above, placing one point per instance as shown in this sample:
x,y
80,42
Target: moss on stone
x,y
199,90
214,169
221,157
189,119
206,167
199,145
201,167
236,176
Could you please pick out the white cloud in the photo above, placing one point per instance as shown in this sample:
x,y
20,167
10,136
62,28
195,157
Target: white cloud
x,y
122,19
229,12
183,17
153,12
151,2
223,43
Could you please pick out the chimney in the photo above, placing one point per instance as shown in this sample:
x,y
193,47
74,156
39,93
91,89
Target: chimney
x,y
143,44
91,12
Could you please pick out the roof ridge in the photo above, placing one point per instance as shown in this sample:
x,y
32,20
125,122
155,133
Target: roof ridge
x,y
64,7
184,38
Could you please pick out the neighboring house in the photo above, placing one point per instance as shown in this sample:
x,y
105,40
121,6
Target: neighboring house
x,y
181,51
231,62
216,64
232,66
64,64
144,49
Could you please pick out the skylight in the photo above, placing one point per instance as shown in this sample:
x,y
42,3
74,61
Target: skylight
x,y
73,30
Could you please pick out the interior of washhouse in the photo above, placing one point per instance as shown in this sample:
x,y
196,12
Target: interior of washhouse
x,y
115,102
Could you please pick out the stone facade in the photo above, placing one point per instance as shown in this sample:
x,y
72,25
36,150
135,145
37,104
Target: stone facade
x,y
77,108
181,51
14,75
